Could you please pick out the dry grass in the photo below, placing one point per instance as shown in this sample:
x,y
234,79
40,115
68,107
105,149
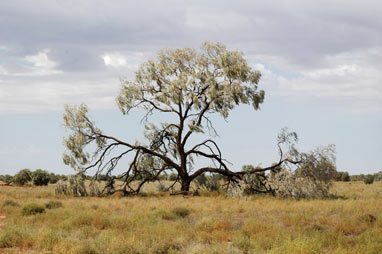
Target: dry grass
x,y
215,224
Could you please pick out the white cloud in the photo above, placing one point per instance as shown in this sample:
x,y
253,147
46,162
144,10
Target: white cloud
x,y
41,96
41,60
350,80
41,64
114,60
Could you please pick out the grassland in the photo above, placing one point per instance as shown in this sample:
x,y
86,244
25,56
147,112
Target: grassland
x,y
174,224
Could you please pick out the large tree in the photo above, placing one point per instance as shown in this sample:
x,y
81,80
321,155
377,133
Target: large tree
x,y
189,85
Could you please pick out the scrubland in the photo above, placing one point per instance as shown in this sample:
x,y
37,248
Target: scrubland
x,y
211,223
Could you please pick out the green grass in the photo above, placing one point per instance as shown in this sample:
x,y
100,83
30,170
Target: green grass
x,y
173,224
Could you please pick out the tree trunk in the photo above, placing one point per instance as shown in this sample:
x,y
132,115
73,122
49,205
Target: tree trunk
x,y
185,185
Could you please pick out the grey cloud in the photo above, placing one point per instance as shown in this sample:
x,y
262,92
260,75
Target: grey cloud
x,y
291,36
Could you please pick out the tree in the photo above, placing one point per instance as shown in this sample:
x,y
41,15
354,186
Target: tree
x,y
6,179
53,178
22,177
189,86
40,177
345,177
369,179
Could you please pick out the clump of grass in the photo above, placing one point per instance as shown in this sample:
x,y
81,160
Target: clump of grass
x,y
165,215
167,247
32,209
86,249
181,212
12,238
10,203
53,205
369,218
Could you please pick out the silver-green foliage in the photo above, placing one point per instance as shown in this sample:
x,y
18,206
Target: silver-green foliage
x,y
286,184
74,185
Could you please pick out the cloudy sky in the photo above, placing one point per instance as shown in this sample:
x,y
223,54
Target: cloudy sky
x,y
321,64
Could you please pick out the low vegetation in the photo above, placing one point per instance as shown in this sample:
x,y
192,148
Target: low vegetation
x,y
210,223
32,209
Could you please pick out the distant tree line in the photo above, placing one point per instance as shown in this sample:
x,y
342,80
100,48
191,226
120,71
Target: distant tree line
x,y
41,177
38,177
368,179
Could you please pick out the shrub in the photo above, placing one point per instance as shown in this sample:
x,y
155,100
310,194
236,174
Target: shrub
x,y
40,177
32,209
22,177
181,212
10,203
369,179
53,205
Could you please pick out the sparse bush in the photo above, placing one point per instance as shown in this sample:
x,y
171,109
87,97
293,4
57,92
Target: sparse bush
x,y
181,212
40,177
53,205
369,179
32,209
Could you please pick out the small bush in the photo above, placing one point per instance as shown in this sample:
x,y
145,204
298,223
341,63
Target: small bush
x,y
53,205
32,209
181,212
10,203
369,179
